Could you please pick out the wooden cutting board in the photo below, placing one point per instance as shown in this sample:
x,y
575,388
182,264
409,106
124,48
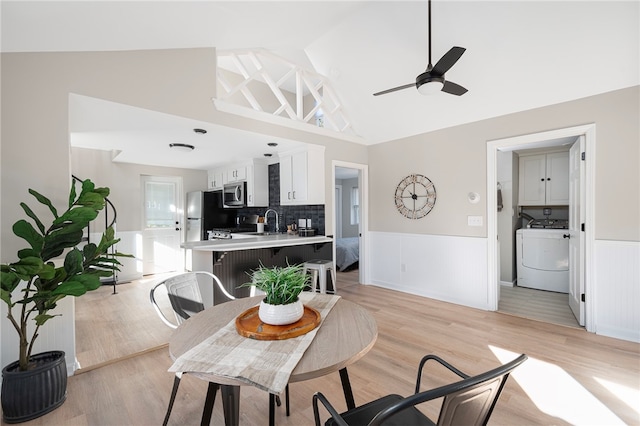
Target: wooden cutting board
x,y
248,324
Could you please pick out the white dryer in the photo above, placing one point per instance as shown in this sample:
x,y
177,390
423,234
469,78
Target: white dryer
x,y
542,257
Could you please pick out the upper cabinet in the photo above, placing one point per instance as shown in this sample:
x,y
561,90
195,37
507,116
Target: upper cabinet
x,y
254,172
234,173
237,173
257,184
302,176
544,179
216,178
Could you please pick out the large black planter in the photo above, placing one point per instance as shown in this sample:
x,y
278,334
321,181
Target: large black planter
x,y
27,395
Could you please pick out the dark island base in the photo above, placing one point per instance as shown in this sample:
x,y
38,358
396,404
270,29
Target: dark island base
x,y
233,267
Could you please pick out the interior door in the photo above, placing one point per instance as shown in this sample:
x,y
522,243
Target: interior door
x,y
576,219
161,224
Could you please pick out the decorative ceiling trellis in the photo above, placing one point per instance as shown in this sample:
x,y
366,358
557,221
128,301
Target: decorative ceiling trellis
x,y
270,84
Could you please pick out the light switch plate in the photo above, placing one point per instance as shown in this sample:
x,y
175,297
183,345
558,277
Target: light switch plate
x,y
474,220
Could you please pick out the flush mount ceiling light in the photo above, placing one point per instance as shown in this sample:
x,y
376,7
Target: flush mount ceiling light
x,y
200,131
182,147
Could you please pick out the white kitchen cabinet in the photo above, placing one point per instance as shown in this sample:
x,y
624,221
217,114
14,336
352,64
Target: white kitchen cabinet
x,y
257,184
544,179
237,174
302,176
216,179
254,172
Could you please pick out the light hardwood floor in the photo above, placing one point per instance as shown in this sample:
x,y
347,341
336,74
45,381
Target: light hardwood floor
x,y
572,376
537,304
114,326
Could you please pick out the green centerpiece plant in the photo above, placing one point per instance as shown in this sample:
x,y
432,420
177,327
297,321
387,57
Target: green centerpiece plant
x,y
33,285
282,285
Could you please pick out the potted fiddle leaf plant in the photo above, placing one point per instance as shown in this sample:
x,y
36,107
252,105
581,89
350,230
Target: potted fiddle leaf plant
x,y
32,286
282,286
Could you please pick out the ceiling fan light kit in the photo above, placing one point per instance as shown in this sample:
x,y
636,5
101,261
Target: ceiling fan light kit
x,y
432,80
429,85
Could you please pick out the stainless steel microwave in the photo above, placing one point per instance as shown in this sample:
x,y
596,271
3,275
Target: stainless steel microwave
x,y
235,194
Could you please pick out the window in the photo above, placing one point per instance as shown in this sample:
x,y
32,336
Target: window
x,y
160,205
355,206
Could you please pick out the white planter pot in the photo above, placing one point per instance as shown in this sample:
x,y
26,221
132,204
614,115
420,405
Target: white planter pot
x,y
281,314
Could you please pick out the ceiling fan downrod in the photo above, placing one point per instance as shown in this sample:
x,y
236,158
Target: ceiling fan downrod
x,y
429,66
432,79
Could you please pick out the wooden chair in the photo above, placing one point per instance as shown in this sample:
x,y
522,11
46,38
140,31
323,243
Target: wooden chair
x,y
469,401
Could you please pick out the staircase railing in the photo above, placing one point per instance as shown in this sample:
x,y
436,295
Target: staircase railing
x,y
107,223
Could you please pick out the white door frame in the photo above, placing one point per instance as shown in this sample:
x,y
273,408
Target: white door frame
x,y
337,208
533,140
363,184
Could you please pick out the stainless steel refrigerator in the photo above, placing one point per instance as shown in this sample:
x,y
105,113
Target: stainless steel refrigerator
x,y
205,213
194,226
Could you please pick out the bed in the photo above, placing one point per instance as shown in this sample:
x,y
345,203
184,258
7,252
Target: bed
x,y
347,252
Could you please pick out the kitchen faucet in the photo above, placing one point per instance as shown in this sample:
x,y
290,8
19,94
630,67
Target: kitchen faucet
x,y
276,213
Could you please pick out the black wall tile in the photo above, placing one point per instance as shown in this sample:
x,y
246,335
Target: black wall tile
x,y
287,214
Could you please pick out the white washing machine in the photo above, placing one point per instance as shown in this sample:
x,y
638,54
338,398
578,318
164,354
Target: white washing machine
x,y
542,259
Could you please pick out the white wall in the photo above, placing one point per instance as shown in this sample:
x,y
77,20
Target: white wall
x,y
35,126
455,160
123,180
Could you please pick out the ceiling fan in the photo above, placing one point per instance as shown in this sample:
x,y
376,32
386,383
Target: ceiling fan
x,y
432,80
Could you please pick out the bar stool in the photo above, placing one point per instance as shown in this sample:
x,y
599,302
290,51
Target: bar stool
x,y
319,269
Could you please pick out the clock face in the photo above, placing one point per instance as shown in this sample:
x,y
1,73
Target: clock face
x,y
415,196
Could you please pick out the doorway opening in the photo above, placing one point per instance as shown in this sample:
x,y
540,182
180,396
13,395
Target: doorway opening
x,y
577,213
350,217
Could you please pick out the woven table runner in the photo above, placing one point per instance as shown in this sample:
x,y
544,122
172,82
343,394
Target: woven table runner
x,y
266,364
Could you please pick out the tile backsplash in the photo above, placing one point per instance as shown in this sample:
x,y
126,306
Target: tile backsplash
x,y
287,215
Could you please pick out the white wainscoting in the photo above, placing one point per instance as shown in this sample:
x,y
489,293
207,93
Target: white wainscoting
x,y
617,289
454,269
448,268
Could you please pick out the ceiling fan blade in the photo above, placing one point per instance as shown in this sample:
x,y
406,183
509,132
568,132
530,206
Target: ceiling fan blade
x,y
406,86
453,88
448,60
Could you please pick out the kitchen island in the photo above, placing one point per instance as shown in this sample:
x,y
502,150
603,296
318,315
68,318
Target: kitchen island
x,y
232,259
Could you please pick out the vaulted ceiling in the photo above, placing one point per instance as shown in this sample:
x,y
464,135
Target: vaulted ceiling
x,y
520,54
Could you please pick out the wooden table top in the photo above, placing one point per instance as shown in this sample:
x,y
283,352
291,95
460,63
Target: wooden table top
x,y
345,336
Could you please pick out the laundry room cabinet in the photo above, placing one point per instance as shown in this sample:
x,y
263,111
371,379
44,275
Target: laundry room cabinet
x,y
544,179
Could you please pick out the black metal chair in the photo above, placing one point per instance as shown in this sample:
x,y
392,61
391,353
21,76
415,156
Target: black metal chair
x,y
469,401
186,300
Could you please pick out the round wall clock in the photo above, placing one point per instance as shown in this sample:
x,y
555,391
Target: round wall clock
x,y
415,196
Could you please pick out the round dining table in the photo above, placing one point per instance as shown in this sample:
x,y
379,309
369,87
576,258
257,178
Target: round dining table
x,y
346,334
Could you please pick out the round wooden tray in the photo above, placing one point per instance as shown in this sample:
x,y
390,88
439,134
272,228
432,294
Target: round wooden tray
x,y
249,324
